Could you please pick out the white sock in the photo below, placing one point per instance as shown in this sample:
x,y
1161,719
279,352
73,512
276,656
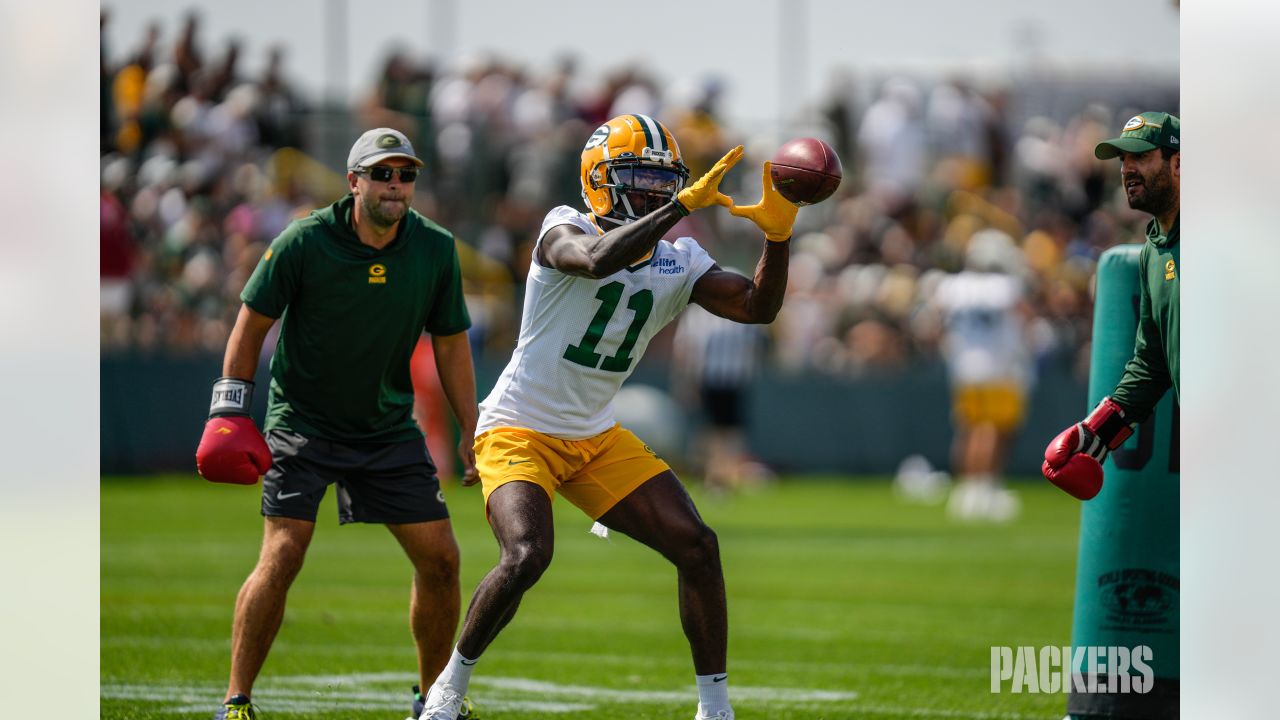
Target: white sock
x,y
457,674
713,693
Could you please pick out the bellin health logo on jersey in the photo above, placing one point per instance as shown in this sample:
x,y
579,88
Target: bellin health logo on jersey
x,y
668,266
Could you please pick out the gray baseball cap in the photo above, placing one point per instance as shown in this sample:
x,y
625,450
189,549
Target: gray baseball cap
x,y
379,144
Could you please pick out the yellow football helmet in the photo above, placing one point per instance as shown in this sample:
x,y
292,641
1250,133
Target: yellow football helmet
x,y
631,166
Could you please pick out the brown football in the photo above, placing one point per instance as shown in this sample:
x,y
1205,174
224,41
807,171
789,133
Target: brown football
x,y
806,171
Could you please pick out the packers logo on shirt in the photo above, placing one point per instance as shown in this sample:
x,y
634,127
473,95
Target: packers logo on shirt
x,y
377,274
1170,270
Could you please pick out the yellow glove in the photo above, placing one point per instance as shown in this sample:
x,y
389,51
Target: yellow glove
x,y
706,191
774,214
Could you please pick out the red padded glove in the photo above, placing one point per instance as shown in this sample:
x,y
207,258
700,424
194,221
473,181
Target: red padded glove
x,y
231,449
1073,461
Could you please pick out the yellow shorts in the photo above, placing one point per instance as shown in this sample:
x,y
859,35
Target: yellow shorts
x,y
593,474
1000,404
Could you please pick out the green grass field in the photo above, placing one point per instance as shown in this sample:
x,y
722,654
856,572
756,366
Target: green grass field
x,y
843,603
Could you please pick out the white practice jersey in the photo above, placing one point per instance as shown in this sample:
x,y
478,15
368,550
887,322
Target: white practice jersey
x,y
580,338
985,341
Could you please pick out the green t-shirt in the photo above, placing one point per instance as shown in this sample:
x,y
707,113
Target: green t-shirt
x,y
352,315
1154,367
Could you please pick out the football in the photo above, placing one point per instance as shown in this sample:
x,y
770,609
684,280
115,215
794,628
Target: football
x,y
805,171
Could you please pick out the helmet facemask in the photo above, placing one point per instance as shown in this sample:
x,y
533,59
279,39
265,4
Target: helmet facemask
x,y
639,186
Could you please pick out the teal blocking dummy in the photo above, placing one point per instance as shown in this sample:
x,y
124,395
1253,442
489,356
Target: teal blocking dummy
x,y
1127,586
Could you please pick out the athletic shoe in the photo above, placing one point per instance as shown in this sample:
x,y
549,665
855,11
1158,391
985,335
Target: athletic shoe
x,y
1003,506
237,707
440,707
722,715
416,709
968,501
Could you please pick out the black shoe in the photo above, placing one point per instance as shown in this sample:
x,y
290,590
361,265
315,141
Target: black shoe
x,y
237,707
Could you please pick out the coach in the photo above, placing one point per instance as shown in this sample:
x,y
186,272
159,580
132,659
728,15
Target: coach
x,y
1150,168
355,285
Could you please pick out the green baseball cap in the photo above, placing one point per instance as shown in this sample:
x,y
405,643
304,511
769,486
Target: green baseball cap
x,y
1144,132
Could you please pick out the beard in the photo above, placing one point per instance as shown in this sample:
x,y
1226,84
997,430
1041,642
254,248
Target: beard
x,y
384,213
1154,193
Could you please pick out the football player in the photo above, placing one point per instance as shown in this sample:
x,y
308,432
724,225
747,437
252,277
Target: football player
x,y
989,368
601,285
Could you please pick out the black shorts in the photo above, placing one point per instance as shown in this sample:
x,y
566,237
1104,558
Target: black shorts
x,y
723,405
377,483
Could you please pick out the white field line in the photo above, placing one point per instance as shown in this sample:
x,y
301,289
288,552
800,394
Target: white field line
x,y
757,694
350,692
281,705
357,692
899,711
310,701
628,661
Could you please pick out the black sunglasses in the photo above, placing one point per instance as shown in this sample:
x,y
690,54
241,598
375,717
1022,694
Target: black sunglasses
x,y
382,173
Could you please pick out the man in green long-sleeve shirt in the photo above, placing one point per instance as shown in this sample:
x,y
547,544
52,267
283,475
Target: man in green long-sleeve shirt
x,y
1150,167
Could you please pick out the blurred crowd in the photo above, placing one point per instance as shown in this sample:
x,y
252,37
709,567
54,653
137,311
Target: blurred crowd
x,y
201,169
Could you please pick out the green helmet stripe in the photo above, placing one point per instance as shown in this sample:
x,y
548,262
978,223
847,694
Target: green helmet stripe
x,y
651,128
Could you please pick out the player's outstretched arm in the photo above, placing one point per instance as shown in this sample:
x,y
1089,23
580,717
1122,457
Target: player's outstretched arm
x,y
571,251
756,299
747,300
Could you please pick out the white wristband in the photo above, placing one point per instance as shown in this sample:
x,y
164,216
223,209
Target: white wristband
x,y
231,396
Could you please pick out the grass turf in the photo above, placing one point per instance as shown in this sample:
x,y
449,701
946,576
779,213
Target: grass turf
x,y
844,602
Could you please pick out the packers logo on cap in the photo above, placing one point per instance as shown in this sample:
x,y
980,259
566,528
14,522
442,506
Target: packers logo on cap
x,y
1136,123
1142,133
390,141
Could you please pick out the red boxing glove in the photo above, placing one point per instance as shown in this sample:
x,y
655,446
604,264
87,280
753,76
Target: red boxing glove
x,y
231,449
1080,475
1073,461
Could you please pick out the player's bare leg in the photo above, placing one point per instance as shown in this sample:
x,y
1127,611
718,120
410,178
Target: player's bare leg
x,y
260,604
521,519
520,515
979,494
984,442
436,597
1000,452
661,514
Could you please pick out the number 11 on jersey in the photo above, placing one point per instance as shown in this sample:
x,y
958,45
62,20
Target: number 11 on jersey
x,y
584,353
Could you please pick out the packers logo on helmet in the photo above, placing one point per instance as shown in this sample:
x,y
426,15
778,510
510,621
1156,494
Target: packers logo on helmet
x,y
631,166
